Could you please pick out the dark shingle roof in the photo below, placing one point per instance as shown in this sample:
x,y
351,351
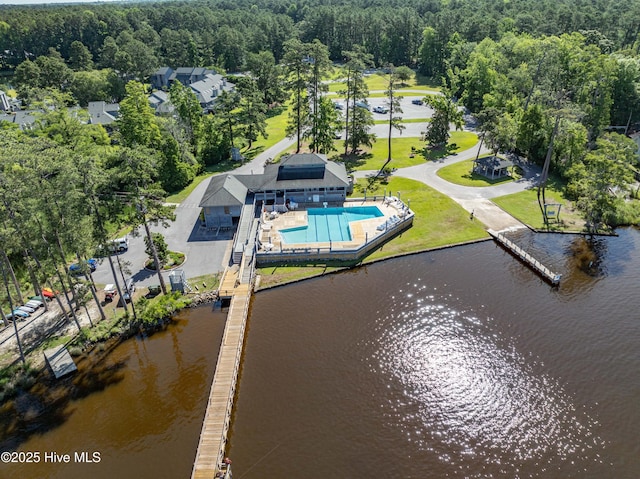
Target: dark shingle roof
x,y
303,171
224,190
232,189
494,163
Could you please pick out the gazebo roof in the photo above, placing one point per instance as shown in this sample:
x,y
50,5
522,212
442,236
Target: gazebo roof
x,y
493,163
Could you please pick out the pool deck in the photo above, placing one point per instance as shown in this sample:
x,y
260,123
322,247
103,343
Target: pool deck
x,y
270,238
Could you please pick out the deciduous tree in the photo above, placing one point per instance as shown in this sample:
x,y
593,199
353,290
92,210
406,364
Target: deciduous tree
x,y
445,113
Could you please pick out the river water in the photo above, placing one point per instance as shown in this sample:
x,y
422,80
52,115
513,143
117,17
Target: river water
x,y
458,363
139,405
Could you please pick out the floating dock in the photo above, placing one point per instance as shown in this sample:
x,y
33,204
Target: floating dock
x,y
60,361
526,258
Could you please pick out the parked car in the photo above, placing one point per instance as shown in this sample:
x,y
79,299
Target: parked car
x,y
381,109
338,105
20,313
127,292
92,264
118,245
110,292
34,303
48,293
417,101
27,309
363,104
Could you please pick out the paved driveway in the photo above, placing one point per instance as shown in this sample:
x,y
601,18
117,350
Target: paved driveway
x,y
205,251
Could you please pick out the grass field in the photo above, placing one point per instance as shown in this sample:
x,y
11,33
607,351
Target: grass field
x,y
401,152
380,82
276,126
438,221
460,174
524,206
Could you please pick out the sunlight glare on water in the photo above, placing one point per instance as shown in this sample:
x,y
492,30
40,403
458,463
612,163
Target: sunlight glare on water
x,y
473,395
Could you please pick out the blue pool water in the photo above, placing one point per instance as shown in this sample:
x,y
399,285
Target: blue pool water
x,y
329,224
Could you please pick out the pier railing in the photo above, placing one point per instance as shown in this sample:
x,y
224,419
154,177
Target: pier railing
x,y
213,437
533,263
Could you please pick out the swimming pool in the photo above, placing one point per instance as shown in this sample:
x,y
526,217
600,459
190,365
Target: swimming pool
x,y
328,224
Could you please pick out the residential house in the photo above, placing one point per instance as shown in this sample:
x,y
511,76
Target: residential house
x,y
159,101
209,88
206,87
103,113
23,118
162,78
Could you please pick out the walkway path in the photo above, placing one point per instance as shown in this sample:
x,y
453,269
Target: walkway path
x,y
475,200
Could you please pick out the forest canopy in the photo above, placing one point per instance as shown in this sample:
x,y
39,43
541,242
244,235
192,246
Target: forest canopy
x,y
224,33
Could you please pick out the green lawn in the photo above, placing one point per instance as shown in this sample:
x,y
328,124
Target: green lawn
x,y
524,206
276,126
281,274
401,152
460,174
400,93
439,221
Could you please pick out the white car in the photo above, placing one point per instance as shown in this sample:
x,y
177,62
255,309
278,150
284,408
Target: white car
x,y
381,109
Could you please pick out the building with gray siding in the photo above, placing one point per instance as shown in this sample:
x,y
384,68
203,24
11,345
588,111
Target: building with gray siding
x,y
306,178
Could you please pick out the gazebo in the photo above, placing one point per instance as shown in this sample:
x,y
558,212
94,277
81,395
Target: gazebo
x,y
492,167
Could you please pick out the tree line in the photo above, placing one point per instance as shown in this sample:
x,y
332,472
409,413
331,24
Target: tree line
x,y
137,37
66,188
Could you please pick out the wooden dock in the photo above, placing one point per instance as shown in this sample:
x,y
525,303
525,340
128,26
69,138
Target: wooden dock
x,y
522,255
213,437
60,361
228,283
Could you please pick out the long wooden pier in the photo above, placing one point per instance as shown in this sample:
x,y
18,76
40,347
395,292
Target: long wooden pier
x,y
522,255
213,437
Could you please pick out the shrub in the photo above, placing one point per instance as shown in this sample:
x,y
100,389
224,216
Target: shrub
x,y
154,313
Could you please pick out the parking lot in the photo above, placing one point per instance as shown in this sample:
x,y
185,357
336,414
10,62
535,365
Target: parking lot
x,y
206,252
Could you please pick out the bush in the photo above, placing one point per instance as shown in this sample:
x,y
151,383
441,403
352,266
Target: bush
x,y
16,378
155,313
627,213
